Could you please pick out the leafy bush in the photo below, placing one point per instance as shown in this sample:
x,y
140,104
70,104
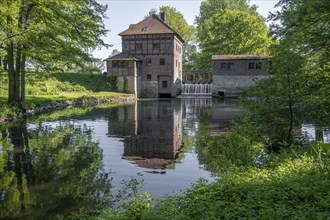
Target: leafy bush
x,y
295,189
112,80
56,83
294,185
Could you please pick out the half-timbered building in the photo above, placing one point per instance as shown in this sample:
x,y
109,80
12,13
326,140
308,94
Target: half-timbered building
x,y
150,64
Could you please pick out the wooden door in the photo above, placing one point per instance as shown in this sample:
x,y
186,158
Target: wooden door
x,y
164,85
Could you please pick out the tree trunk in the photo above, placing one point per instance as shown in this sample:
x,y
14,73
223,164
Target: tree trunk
x,y
291,120
23,78
17,74
11,73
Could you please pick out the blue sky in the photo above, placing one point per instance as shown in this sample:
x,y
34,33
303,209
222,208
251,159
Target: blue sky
x,y
122,13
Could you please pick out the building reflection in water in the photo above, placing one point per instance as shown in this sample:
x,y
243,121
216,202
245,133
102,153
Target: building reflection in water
x,y
213,114
152,132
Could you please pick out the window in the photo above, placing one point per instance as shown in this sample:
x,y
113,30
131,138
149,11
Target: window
x,y
125,63
148,62
149,77
258,66
251,66
176,63
164,84
155,46
227,66
138,46
162,61
223,66
115,63
230,66
120,63
145,29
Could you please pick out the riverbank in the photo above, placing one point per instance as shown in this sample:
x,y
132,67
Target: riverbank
x,y
291,184
46,103
46,92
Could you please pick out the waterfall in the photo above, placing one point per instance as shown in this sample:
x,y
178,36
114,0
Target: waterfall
x,y
196,89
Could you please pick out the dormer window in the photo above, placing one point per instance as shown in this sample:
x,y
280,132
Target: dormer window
x,y
145,29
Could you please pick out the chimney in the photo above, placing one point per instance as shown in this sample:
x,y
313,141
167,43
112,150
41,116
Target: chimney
x,y
163,17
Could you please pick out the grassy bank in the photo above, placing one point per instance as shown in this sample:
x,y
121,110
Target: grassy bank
x,y
56,90
290,184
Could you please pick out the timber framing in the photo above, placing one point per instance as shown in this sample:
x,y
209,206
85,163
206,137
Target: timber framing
x,y
153,55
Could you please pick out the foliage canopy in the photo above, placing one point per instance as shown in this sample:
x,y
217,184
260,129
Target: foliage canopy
x,y
49,34
229,27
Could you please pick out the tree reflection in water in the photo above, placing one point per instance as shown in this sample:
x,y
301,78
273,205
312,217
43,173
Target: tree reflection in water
x,y
46,170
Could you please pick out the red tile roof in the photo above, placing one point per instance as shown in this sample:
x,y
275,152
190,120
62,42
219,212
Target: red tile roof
x,y
150,25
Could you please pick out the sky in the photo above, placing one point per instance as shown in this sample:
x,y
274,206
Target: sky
x,y
122,13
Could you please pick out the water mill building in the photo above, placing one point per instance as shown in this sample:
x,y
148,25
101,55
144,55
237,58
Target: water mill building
x,y
234,73
150,64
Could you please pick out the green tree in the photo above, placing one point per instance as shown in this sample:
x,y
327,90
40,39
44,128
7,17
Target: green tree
x,y
303,26
115,52
210,7
299,89
230,27
276,106
48,33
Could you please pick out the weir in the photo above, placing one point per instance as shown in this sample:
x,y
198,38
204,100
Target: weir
x,y
196,89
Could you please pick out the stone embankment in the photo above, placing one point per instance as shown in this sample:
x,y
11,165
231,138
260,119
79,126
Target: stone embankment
x,y
57,105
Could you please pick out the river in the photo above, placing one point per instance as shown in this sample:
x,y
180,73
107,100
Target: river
x,y
59,162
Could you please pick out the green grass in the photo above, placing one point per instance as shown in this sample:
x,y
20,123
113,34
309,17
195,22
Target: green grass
x,y
53,83
48,88
56,83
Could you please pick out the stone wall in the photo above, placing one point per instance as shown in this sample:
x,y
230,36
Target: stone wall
x,y
234,85
149,89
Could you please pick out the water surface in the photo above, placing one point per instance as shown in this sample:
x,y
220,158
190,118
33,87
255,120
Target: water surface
x,y
60,162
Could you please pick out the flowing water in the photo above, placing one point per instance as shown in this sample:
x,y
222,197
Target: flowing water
x,y
196,89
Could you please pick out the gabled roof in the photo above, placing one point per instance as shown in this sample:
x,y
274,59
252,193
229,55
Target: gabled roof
x,y
239,57
123,56
150,25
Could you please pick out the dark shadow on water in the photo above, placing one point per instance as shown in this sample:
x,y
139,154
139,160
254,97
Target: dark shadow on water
x,y
45,168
